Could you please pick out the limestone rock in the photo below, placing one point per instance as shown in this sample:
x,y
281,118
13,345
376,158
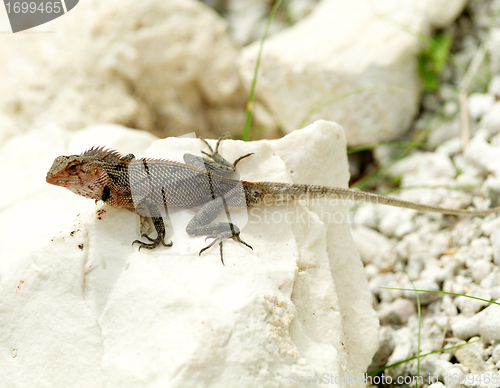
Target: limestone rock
x,y
353,62
168,67
87,307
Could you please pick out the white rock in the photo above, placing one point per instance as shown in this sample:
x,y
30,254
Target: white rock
x,y
466,167
415,265
479,104
404,346
58,336
491,226
386,280
490,324
472,356
425,297
168,67
483,153
247,18
430,365
495,292
342,63
90,307
495,243
455,376
480,269
495,355
448,271
396,221
454,286
491,119
436,272
371,270
439,368
465,232
369,242
466,328
429,169
470,306
419,165
368,214
451,147
396,313
491,189
480,249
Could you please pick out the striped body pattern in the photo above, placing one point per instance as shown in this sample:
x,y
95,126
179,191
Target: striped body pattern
x,y
211,185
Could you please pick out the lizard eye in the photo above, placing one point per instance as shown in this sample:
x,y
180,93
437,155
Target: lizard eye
x,y
72,168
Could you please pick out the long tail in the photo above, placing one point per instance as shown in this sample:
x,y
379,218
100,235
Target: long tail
x,y
297,191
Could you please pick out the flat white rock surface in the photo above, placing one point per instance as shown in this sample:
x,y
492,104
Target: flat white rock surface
x,y
85,308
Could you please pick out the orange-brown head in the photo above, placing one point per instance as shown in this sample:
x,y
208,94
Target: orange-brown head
x,y
81,174
87,174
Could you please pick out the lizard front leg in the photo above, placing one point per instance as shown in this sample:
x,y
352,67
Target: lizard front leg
x,y
200,225
216,163
148,205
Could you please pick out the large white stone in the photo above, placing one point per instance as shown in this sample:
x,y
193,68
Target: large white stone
x,y
165,66
360,55
85,308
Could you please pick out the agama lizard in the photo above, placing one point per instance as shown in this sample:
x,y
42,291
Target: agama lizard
x,y
144,184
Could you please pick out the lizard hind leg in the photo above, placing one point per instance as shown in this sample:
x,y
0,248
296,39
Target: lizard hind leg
x,y
235,235
201,225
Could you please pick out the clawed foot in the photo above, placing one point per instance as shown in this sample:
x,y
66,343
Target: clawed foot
x,y
154,242
216,157
219,239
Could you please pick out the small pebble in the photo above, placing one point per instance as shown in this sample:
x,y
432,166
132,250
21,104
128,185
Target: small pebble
x,y
480,269
425,297
466,328
397,312
495,243
479,104
490,325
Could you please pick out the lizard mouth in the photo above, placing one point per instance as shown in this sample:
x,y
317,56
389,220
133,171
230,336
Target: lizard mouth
x,y
55,180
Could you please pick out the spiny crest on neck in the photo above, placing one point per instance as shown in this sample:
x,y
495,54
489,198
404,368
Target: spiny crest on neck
x,y
106,155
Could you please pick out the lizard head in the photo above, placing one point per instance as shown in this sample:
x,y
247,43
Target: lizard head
x,y
82,174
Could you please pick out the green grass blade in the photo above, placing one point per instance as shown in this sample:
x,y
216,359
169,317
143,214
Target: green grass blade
x,y
251,97
442,292
383,368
